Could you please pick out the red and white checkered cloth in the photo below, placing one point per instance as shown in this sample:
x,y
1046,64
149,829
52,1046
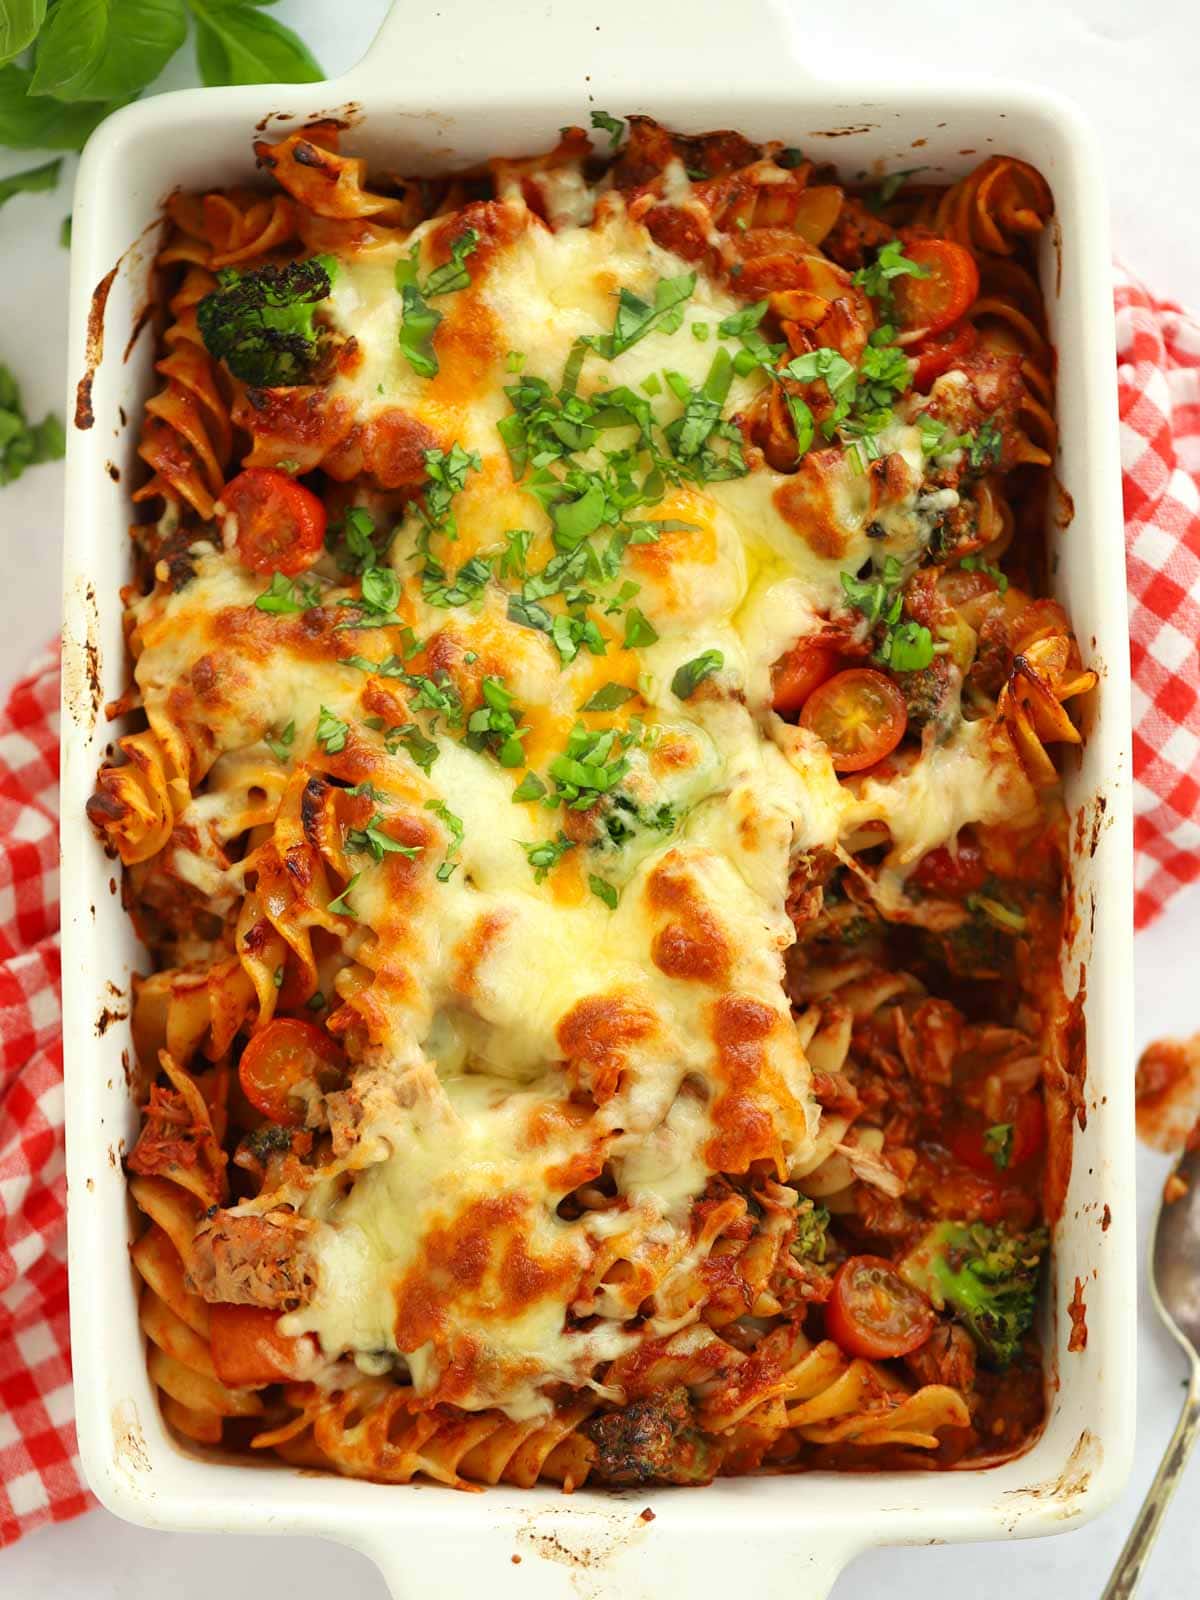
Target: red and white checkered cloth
x,y
40,1478
1158,382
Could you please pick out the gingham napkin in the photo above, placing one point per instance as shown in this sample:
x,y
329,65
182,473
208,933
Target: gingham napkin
x,y
40,1479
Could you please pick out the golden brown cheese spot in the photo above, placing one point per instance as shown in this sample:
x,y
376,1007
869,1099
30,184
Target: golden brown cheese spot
x,y
481,1267
393,446
694,545
596,1038
807,502
746,1131
691,946
471,952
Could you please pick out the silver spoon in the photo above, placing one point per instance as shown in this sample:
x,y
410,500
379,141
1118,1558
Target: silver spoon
x,y
1175,1289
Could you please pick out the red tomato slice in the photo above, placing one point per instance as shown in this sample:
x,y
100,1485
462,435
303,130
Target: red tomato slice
x,y
872,1312
860,715
284,1055
248,1351
940,352
280,523
932,303
798,672
967,1140
955,873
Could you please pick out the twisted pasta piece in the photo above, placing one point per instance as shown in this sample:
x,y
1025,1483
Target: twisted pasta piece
x,y
997,206
179,1172
135,804
373,1429
190,1010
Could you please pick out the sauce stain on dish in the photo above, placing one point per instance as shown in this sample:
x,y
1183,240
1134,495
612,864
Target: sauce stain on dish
x,y
1077,1311
85,417
129,1442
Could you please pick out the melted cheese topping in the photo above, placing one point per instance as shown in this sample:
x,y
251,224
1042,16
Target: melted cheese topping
x,y
523,1041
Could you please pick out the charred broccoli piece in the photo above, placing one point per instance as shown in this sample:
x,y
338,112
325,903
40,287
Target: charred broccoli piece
x,y
652,1441
986,1276
809,1243
260,323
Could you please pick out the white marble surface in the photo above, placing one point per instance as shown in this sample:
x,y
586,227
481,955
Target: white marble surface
x,y
1132,68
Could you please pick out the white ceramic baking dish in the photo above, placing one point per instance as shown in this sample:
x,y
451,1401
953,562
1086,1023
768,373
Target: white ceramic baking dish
x,y
450,85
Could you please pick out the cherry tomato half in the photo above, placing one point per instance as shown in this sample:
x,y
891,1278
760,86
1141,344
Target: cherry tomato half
x,y
247,1350
798,672
860,715
967,1140
284,1055
941,351
954,873
944,295
280,523
872,1312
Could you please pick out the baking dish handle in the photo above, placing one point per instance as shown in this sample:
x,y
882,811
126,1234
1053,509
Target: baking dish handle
x,y
614,1549
614,51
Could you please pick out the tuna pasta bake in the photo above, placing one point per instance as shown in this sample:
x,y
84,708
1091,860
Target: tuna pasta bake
x,y
592,808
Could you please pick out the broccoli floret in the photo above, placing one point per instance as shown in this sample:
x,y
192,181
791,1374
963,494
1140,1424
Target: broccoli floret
x,y
810,1243
652,1441
260,323
986,1276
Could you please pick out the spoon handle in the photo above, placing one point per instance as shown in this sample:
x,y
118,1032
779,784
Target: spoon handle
x,y
1133,1558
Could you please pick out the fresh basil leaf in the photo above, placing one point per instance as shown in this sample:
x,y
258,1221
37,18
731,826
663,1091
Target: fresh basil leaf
x,y
546,853
331,732
802,422
613,126
454,827
453,274
418,324
106,49
688,678
635,318
34,180
380,589
530,787
907,647
286,596
281,748
743,321
341,906
609,697
575,519
28,123
24,444
639,630
253,48
20,22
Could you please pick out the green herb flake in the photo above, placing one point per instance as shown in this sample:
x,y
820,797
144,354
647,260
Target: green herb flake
x,y
636,317
545,854
286,596
281,747
613,126
603,890
998,1142
688,678
530,787
609,697
639,630
454,828
379,844
341,906
976,563
331,732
